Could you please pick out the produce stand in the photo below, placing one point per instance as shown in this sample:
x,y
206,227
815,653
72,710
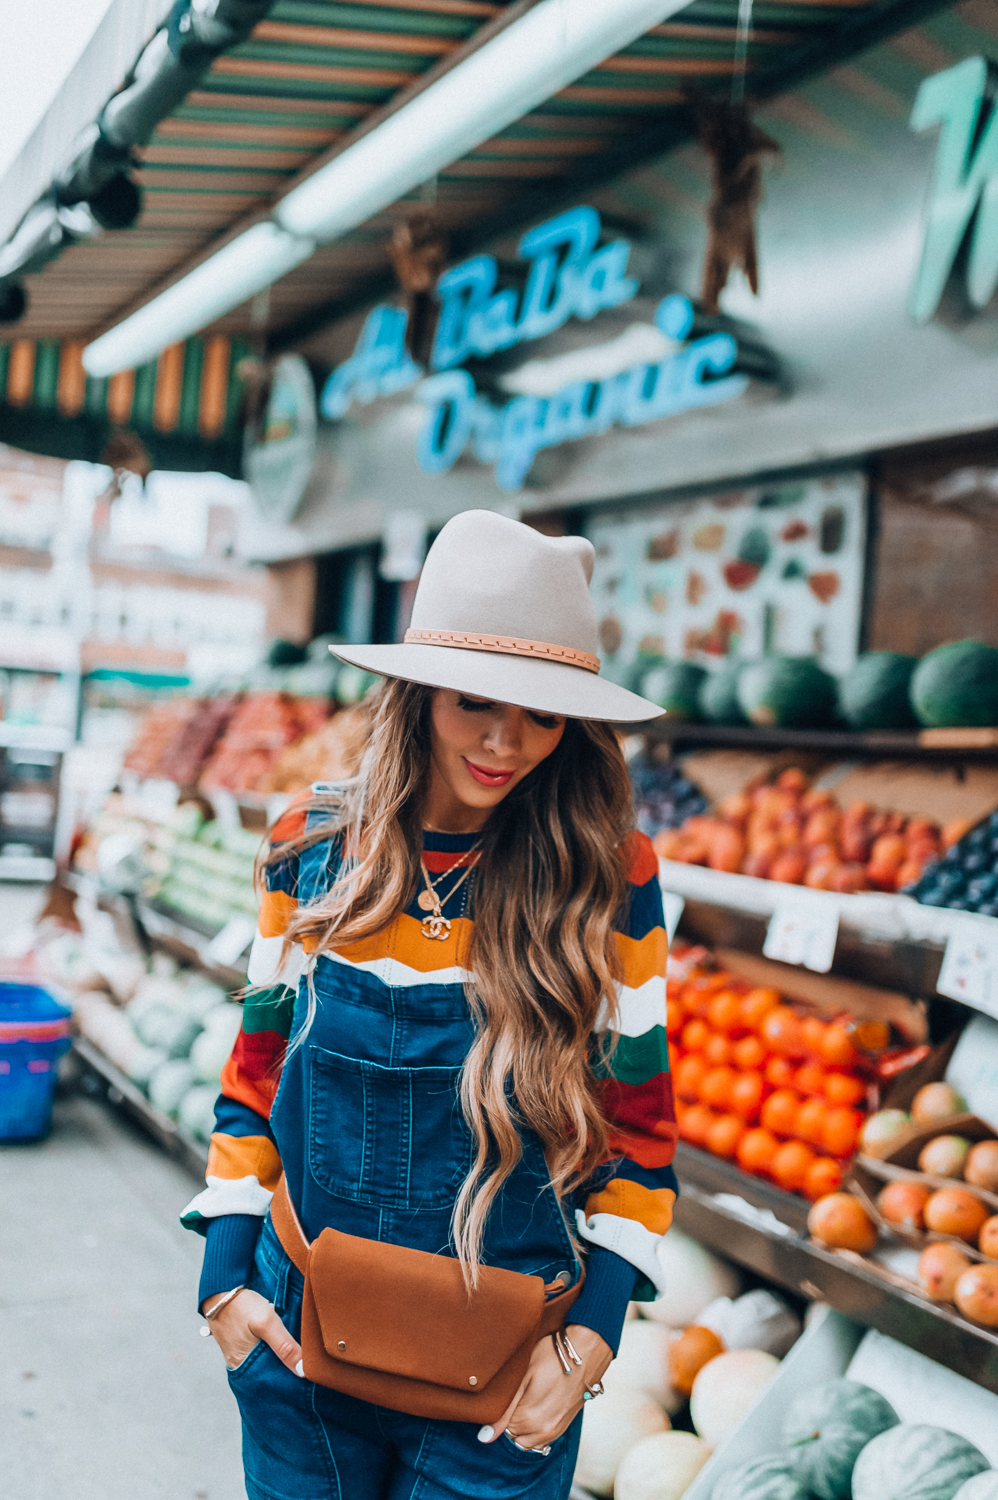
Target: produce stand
x,y
734,1214
101,1077
190,941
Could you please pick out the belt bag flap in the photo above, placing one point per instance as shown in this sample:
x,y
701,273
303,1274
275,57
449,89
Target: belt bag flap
x,y
403,1312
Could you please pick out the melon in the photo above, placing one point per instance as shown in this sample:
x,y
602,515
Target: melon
x,y
718,695
196,1111
874,693
642,1363
674,686
726,1388
957,685
693,1278
826,1428
759,1320
771,1477
170,1082
611,1426
662,1467
788,692
983,1486
915,1461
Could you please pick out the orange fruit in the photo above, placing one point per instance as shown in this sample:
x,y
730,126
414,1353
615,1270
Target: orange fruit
x,y
716,1087
790,1165
675,1013
756,1149
837,1049
810,1079
748,1053
779,1072
841,1221
903,1203
717,1049
725,1013
694,1035
724,1134
957,1212
987,1240
810,1122
688,1354
698,992
813,1034
689,1076
781,1032
756,1004
873,1036
841,1132
844,1088
747,1094
696,1123
779,1113
823,1176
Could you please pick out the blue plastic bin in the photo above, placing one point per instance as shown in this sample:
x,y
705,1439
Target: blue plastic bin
x,y
34,1033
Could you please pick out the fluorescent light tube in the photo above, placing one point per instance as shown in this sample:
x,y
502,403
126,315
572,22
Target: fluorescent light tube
x,y
553,44
239,270
544,51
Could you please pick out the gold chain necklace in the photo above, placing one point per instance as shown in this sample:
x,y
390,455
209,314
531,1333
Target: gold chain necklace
x,y
435,924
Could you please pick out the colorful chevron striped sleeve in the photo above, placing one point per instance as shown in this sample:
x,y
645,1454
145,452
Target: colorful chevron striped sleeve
x,y
244,1166
633,1209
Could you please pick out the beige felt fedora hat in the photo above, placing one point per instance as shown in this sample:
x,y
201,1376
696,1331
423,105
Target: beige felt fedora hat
x,y
505,613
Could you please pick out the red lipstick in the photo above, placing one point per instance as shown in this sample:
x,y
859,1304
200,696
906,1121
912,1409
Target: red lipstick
x,y
485,777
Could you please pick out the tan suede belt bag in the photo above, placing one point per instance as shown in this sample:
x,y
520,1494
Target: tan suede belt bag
x,y
397,1327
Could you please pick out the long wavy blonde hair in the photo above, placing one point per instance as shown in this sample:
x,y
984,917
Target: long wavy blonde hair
x,y
551,881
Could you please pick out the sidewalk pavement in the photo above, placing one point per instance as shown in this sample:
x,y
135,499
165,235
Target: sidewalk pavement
x,y
106,1390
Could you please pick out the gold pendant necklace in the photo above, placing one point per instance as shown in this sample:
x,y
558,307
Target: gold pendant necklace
x,y
435,924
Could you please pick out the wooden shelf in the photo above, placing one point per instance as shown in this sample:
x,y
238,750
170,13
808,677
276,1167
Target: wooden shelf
x,y
764,1229
934,745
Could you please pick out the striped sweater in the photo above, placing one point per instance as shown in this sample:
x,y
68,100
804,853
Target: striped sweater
x,y
370,993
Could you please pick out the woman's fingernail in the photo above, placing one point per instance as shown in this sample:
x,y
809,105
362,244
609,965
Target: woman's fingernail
x,y
300,1369
486,1434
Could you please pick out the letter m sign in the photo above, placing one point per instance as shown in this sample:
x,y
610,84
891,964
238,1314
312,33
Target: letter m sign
x,y
963,206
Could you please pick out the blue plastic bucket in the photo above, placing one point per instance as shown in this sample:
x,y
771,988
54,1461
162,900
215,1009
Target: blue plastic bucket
x,y
34,1033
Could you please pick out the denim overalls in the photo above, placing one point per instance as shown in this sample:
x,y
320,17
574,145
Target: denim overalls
x,y
387,1150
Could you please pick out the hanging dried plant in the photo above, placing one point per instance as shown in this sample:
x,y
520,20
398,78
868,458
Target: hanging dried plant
x,y
418,251
736,147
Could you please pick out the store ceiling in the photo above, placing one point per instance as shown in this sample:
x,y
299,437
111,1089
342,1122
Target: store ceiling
x,y
316,70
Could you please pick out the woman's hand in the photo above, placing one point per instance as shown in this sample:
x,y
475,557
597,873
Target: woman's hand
x,y
548,1399
246,1320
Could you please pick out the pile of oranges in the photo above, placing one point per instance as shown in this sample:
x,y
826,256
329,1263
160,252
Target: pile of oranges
x,y
789,831
760,1083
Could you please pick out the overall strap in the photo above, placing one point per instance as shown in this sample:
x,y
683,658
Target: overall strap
x,y
318,865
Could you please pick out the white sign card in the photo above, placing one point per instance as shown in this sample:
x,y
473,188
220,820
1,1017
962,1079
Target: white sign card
x,y
233,939
803,931
672,905
970,967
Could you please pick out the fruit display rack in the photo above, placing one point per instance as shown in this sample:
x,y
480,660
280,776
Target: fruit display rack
x,y
101,1078
884,744
765,1229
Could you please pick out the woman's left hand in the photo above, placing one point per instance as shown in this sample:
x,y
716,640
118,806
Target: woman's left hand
x,y
548,1399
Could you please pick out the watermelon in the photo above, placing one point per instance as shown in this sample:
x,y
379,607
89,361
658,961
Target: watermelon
x,y
874,693
718,696
957,685
674,686
788,691
772,1477
915,1461
982,1487
826,1427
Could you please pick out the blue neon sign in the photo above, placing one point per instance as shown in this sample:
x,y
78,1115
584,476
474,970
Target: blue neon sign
x,y
570,275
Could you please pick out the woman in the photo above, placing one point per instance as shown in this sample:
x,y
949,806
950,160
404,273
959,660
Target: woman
x,y
458,1043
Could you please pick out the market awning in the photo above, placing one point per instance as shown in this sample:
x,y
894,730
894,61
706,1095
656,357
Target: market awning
x,y
315,71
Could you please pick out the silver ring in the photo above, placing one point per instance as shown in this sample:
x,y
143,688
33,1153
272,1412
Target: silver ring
x,y
541,1452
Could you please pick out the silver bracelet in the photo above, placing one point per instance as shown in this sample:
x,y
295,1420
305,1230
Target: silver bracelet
x,y
223,1302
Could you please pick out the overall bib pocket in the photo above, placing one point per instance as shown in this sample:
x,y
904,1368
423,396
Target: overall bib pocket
x,y
393,1138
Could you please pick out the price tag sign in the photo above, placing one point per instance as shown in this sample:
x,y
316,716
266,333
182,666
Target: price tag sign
x,y
970,968
672,905
227,945
803,932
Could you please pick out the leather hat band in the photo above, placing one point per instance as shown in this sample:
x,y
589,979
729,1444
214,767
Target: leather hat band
x,y
505,645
